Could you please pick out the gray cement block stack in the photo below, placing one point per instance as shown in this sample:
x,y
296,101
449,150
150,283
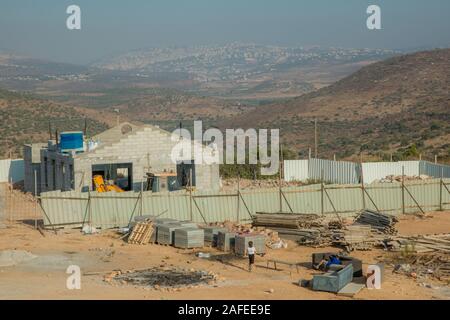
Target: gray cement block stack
x,y
225,241
165,233
211,234
189,238
242,240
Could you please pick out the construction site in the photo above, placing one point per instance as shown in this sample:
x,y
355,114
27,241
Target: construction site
x,y
138,226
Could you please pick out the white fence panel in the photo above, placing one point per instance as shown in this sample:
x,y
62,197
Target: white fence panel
x,y
378,170
11,169
296,170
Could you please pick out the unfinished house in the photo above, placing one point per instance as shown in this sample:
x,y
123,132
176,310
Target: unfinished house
x,y
128,156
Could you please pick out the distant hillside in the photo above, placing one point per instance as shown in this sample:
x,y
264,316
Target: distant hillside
x,y
400,106
25,119
247,71
153,104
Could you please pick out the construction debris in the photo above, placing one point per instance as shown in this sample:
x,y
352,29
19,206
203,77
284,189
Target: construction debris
x,y
357,237
421,244
424,265
163,278
87,229
398,178
382,222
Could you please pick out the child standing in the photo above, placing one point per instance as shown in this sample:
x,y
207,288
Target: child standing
x,y
251,251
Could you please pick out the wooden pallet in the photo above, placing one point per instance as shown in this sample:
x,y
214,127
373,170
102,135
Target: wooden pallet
x,y
141,233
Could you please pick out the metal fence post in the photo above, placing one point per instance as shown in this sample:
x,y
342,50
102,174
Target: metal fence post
x,y
403,189
9,206
363,189
441,182
35,199
141,209
322,187
238,200
190,195
279,180
90,208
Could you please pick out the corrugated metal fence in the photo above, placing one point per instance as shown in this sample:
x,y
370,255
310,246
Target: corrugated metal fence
x,y
349,172
295,170
11,170
116,209
434,170
334,171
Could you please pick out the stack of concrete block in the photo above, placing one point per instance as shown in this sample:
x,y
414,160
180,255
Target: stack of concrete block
x,y
225,241
189,238
188,224
165,233
211,234
242,240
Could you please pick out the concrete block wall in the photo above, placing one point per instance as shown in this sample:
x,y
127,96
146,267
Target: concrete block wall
x,y
59,164
32,164
147,147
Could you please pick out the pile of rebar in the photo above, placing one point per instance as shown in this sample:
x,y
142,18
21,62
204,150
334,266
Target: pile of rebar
x,y
382,222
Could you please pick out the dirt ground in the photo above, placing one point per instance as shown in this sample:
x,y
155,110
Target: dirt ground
x,y
45,276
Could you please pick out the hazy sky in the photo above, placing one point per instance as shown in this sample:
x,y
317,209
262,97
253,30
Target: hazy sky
x,y
38,27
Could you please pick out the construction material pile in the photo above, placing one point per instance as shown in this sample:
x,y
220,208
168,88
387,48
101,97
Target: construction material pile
x,y
381,222
160,278
357,237
309,229
398,178
286,221
148,229
421,266
421,244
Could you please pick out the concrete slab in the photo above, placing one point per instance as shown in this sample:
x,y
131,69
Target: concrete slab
x,y
351,289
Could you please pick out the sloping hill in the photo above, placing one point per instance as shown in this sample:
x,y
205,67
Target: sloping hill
x,y
400,105
25,119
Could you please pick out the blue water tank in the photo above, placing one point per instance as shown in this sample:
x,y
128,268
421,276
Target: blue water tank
x,y
71,141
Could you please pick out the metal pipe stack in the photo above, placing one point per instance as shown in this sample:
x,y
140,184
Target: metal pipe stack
x,y
382,222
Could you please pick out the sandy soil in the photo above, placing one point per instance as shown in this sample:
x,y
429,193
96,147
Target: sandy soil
x,y
45,276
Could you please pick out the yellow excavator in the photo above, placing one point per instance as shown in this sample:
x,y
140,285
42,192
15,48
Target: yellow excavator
x,y
101,186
